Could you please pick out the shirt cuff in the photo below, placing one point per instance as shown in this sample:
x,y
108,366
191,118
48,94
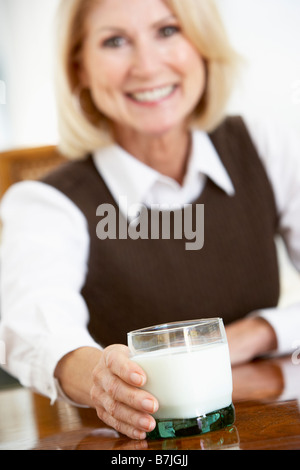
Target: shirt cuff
x,y
291,376
285,322
51,354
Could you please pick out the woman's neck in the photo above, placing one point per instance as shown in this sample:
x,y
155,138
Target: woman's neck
x,y
167,153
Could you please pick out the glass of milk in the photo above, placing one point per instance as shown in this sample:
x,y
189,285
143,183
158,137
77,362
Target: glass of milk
x,y
189,372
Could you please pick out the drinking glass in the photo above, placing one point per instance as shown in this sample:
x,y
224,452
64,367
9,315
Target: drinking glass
x,y
189,372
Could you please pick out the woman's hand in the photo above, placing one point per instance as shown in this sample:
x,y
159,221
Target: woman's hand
x,y
116,395
249,338
110,382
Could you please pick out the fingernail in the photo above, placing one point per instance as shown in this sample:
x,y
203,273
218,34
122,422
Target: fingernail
x,y
137,379
139,434
145,423
149,405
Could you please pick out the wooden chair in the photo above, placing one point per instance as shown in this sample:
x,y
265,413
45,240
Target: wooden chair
x,y
27,164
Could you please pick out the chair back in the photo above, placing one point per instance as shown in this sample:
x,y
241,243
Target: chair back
x,y
27,164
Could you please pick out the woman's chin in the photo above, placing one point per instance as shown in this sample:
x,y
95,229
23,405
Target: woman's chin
x,y
156,129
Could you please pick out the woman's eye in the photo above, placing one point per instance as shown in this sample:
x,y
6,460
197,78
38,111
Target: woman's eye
x,y
168,31
114,42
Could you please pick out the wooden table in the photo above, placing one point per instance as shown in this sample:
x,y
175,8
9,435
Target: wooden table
x,y
266,398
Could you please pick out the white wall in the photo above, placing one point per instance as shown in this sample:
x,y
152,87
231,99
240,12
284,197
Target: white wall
x,y
26,46
265,32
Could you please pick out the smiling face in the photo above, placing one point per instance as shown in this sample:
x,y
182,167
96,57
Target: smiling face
x,y
141,70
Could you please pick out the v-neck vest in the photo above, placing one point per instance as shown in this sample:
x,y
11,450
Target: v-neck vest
x,y
131,284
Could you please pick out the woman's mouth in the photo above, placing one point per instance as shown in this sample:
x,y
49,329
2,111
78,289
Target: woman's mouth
x,y
153,96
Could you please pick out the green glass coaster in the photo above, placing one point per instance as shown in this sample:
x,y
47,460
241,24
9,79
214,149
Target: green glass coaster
x,y
170,428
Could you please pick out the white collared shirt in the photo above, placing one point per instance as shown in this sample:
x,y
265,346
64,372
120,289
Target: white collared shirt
x,y
45,248
124,175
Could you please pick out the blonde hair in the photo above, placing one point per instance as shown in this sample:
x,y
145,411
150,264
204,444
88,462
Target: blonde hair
x,y
82,128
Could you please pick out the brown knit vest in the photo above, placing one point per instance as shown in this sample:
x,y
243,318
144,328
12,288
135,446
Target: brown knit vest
x,y
132,284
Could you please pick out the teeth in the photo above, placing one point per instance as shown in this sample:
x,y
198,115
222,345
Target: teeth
x,y
153,95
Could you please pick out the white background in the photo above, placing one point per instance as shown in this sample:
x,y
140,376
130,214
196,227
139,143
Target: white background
x,y
265,32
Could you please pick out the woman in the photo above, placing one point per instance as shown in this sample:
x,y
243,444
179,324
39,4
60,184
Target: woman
x,y
142,86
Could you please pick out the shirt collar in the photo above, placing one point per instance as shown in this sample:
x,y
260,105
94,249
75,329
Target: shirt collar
x,y
205,159
127,177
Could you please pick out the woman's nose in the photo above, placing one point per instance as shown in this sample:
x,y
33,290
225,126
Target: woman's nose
x,y
147,59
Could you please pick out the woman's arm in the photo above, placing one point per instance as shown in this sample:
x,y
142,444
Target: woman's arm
x,y
44,250
249,338
279,149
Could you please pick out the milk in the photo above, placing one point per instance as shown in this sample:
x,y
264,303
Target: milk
x,y
188,384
